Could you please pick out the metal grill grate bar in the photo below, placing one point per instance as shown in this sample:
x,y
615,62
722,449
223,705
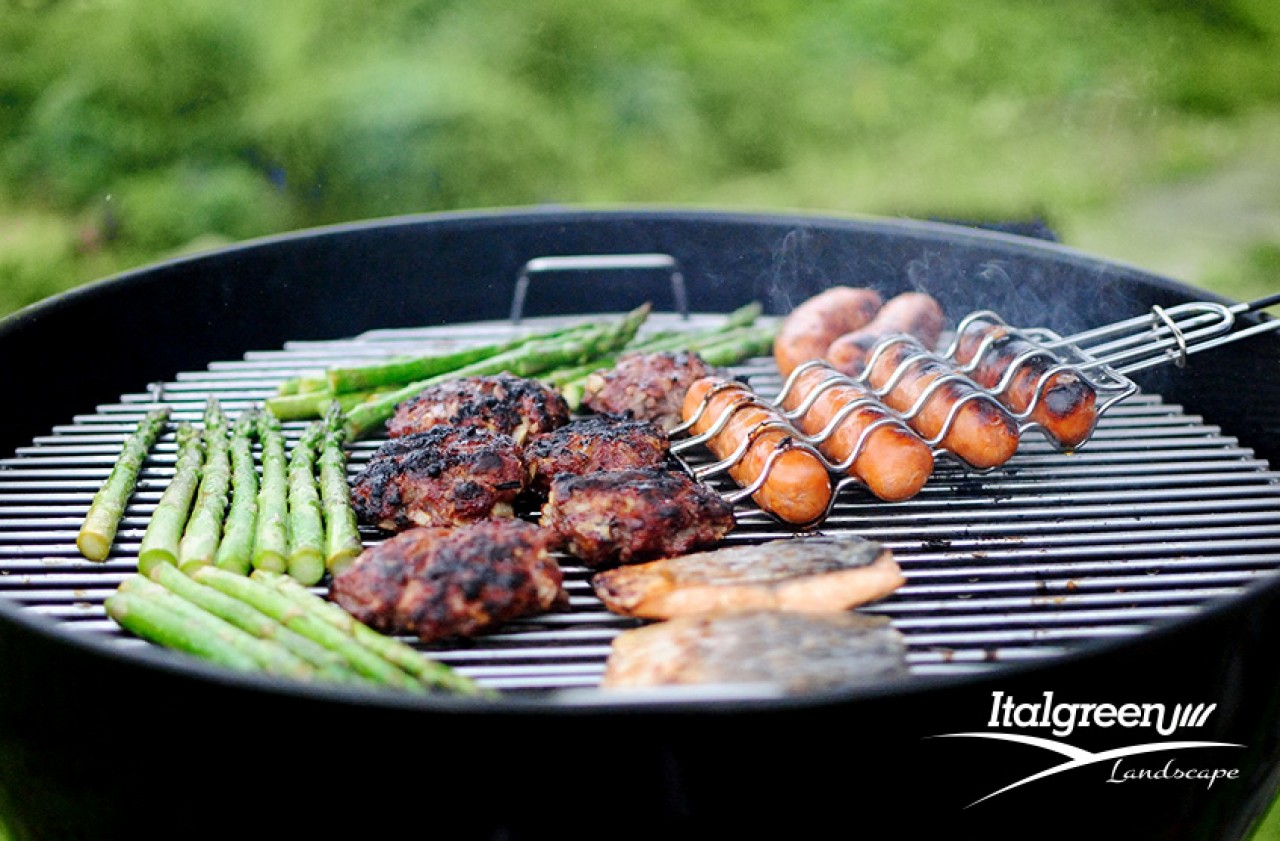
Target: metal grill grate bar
x,y
1160,514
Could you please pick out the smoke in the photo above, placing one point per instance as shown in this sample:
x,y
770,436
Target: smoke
x,y
793,273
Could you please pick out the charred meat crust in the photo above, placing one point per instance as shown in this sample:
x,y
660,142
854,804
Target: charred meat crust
x,y
439,583
511,405
646,386
598,442
443,476
625,516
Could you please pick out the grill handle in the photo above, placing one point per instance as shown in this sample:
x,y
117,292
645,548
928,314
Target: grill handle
x,y
599,262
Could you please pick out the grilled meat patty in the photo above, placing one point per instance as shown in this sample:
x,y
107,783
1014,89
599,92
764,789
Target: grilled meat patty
x,y
502,403
789,652
648,386
624,516
438,583
816,573
444,476
598,442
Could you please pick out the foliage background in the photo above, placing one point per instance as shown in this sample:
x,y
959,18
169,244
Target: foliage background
x,y
1142,130
1138,129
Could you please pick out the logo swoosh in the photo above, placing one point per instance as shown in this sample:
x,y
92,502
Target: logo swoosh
x,y
1078,757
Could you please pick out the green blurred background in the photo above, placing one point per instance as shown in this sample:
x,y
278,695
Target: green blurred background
x,y
132,130
1137,129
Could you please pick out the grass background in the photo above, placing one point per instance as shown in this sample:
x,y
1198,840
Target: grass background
x,y
1141,130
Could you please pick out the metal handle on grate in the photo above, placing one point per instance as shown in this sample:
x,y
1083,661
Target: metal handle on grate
x,y
1168,334
599,263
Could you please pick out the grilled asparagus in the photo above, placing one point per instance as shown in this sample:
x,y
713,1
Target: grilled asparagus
x,y
98,531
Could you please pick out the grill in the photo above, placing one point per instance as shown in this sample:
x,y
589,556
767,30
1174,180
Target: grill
x,y
1121,567
1158,515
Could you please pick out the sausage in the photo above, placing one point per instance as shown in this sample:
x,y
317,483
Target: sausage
x,y
894,462
983,433
914,313
811,327
798,488
1067,410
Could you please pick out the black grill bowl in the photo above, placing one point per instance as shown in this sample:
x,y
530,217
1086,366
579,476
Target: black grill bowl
x,y
99,743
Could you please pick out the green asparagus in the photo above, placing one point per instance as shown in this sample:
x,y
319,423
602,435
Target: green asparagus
x,y
273,603
235,551
734,348
402,370
271,534
342,533
98,531
306,515
302,385
164,531
194,629
328,664
428,671
164,626
313,404
204,528
527,360
733,324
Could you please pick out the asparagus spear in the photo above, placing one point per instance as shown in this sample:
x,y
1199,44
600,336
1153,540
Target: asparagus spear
x,y
428,671
164,531
407,369
274,604
528,360
743,317
734,348
204,528
163,626
313,404
302,385
328,664
342,534
191,628
401,370
98,531
235,552
306,516
271,535
574,392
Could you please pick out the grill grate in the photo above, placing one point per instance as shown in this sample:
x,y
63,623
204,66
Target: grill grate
x,y
1159,514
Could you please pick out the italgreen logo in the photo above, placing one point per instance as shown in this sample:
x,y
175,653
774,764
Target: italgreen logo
x,y
1063,719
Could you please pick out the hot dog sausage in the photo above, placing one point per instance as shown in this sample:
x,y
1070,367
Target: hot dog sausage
x,y
914,313
894,463
983,433
1068,406
797,488
812,326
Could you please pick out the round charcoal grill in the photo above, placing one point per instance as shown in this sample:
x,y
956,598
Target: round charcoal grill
x,y
1138,569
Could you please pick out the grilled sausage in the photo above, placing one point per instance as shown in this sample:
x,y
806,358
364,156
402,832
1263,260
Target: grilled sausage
x,y
797,488
894,463
810,328
914,313
1067,410
983,433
